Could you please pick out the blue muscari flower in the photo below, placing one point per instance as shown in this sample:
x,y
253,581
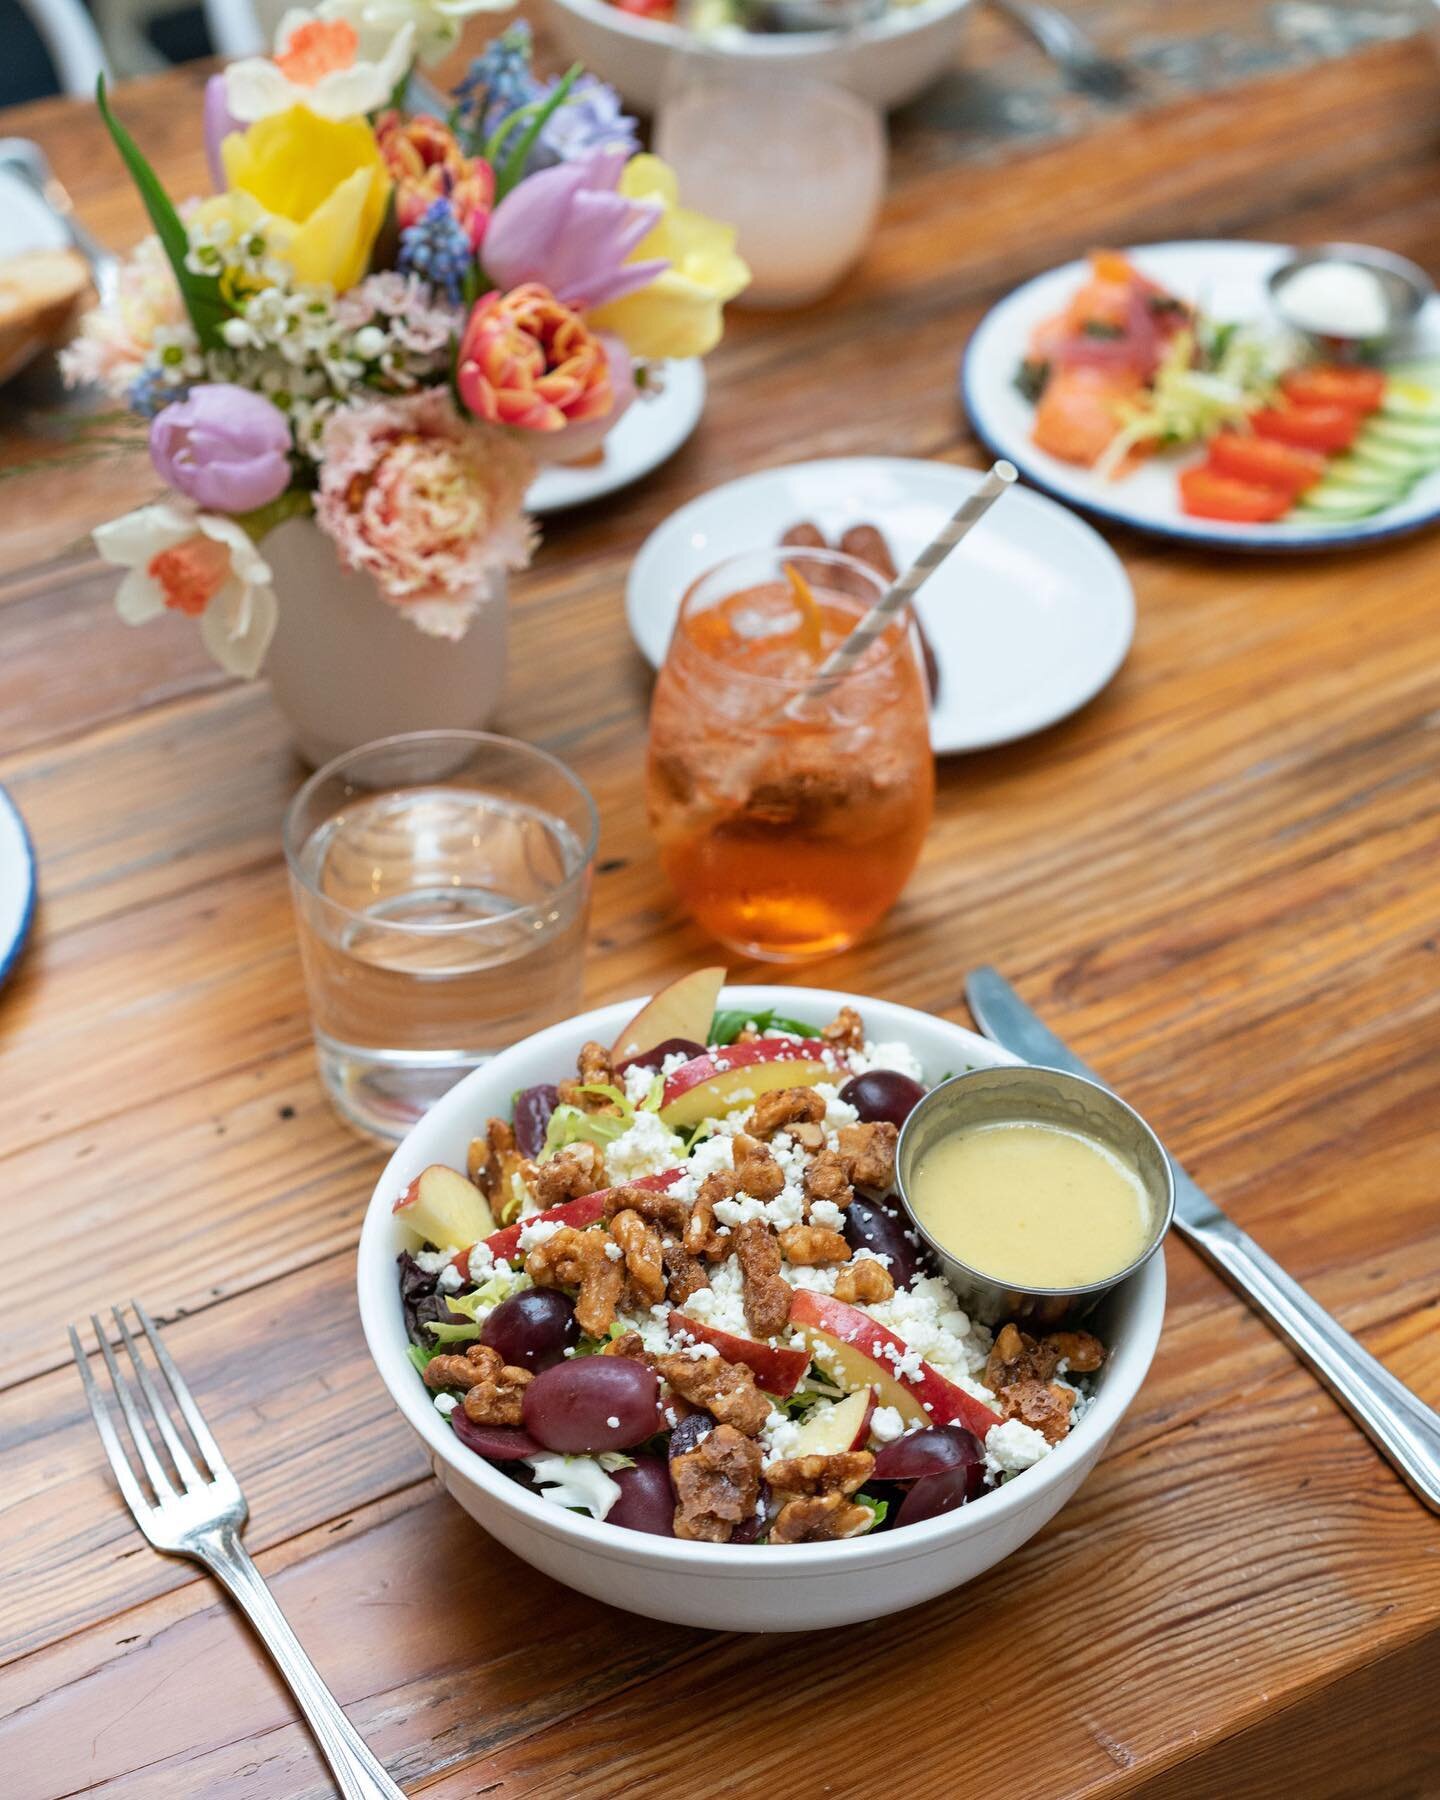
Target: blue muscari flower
x,y
590,119
437,249
151,393
498,84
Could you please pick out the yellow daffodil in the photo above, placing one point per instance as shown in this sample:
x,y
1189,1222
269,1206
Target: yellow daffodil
x,y
322,184
679,313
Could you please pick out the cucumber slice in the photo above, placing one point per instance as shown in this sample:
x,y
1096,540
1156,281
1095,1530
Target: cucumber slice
x,y
1424,371
1333,501
1421,435
1411,400
1403,461
1353,471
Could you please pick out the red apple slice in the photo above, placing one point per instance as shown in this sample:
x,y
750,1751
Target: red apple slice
x,y
778,1370
684,1009
721,1080
857,1350
579,1213
838,1428
441,1207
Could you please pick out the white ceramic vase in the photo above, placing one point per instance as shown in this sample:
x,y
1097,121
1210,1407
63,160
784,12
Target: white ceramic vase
x,y
346,667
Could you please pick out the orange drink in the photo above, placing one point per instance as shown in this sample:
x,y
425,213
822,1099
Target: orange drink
x,y
787,833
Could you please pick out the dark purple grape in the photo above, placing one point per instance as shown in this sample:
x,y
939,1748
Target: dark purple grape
x,y
647,1500
688,1433
652,1058
533,1107
883,1094
496,1443
532,1330
933,1495
593,1403
750,1530
879,1225
928,1451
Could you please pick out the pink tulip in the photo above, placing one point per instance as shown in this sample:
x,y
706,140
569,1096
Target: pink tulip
x,y
223,447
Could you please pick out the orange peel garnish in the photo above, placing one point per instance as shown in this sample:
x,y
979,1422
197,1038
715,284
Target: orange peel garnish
x,y
812,625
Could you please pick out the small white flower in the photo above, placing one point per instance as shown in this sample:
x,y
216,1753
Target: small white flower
x,y
369,342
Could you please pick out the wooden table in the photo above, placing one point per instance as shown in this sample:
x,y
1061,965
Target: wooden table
x,y
1218,881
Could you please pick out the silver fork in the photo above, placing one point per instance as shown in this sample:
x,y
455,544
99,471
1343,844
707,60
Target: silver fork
x,y
201,1518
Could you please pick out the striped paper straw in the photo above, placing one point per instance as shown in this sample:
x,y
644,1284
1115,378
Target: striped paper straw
x,y
844,656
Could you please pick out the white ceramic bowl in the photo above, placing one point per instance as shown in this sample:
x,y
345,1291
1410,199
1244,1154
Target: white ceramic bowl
x,y
886,62
741,1588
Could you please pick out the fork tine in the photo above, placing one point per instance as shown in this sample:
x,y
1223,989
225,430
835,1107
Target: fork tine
x,y
199,1430
109,1437
159,1480
179,1455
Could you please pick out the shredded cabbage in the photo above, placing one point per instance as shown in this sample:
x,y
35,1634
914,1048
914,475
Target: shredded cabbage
x,y
1196,391
573,1125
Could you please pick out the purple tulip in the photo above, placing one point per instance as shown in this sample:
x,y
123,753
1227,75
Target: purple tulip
x,y
568,229
225,448
219,123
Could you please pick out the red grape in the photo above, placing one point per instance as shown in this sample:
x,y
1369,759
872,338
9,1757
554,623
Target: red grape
x,y
652,1058
533,1107
496,1443
928,1452
593,1403
532,1330
933,1495
880,1226
883,1094
647,1500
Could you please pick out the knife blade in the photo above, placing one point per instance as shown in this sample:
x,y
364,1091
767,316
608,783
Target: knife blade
x,y
1399,1424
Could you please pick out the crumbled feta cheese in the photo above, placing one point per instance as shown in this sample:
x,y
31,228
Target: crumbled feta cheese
x,y
433,1261
722,1304
481,1263
838,1112
929,1318
539,1233
613,1250
886,1424
649,1147
1013,1446
613,1422
575,1481
638,1082
740,1210
697,1352
897,1056
711,1154
779,1436
677,1059
450,1281
446,1404
828,1214
818,1280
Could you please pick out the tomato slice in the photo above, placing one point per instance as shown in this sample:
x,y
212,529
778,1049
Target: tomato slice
x,y
1309,427
1206,494
1326,384
1266,462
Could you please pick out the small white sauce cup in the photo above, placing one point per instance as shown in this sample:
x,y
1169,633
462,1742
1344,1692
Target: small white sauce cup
x,y
1405,284
1031,1095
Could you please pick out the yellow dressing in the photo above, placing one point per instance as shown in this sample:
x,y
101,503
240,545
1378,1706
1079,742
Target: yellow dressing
x,y
1032,1205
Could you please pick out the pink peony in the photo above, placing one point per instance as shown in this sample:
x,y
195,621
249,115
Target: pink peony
x,y
528,360
426,503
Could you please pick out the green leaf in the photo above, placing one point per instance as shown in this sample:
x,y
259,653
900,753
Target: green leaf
x,y
879,1508
420,1356
725,1027
452,1334
512,171
201,293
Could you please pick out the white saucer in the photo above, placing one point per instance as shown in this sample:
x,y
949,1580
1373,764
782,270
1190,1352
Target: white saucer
x,y
1226,278
651,431
17,884
1029,618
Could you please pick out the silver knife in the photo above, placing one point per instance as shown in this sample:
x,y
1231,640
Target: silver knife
x,y
1401,1426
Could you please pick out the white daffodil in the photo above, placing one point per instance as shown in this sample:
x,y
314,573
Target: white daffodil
x,y
337,65
436,23
194,562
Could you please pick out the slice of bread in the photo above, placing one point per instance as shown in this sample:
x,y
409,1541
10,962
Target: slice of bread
x,y
39,292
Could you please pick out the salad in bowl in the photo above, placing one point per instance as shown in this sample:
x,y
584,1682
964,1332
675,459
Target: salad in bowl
x,y
660,1299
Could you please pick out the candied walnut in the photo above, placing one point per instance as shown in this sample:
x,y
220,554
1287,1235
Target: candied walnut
x,y
870,1152
827,1177
813,1244
640,1242
767,1295
846,1031
717,1485
756,1171
654,1205
630,1345
684,1274
580,1259
865,1282
702,1235
1043,1404
502,1174
840,1474
1016,1356
819,1518
493,1390
1079,1351
595,1070
784,1107
807,1134
577,1170
725,1390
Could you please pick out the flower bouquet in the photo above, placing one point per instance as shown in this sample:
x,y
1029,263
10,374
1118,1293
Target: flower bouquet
x,y
383,321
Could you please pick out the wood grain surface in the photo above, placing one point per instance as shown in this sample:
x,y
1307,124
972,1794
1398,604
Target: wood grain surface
x,y
1218,881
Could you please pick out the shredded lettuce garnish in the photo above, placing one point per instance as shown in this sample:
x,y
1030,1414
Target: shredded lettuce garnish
x,y
489,1294
1207,378
573,1125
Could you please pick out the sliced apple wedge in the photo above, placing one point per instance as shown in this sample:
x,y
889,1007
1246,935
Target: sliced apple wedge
x,y
721,1080
776,1369
684,1009
577,1213
858,1351
838,1428
442,1208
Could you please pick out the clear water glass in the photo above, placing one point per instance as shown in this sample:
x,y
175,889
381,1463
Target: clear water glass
x,y
442,891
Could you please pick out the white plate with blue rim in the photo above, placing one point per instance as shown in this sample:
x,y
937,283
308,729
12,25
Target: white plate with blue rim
x,y
17,884
1226,278
1029,618
651,431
